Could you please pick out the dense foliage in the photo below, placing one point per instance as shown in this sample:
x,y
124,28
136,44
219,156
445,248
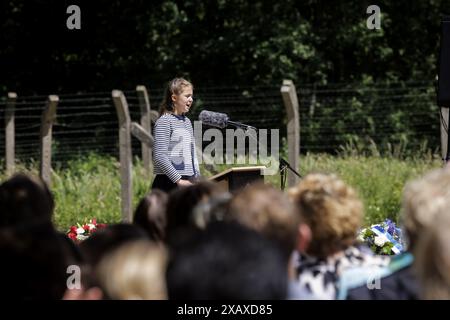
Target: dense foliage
x,y
218,42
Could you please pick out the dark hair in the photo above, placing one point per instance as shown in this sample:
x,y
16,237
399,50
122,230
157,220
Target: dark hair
x,y
267,210
34,264
25,200
227,261
182,201
150,214
103,241
174,86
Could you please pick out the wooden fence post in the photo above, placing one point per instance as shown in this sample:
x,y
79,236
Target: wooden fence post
x,y
144,104
10,133
125,154
291,104
142,135
48,117
154,115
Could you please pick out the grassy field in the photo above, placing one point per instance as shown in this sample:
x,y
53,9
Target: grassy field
x,y
379,181
90,187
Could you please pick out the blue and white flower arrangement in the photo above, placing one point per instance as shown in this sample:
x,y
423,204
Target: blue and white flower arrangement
x,y
384,238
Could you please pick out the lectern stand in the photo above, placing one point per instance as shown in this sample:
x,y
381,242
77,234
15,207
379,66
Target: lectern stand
x,y
236,178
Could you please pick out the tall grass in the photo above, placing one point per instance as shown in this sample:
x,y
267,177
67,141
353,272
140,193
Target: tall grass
x,y
90,187
378,180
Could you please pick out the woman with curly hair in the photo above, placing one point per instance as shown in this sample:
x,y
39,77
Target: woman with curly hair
x,y
332,212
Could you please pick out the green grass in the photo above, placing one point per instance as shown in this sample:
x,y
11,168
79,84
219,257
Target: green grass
x,y
90,187
379,181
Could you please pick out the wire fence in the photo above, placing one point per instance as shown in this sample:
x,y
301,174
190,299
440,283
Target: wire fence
x,y
333,118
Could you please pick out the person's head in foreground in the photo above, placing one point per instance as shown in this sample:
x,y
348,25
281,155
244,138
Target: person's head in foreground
x,y
151,216
134,271
426,219
25,200
331,214
423,199
267,210
331,209
227,261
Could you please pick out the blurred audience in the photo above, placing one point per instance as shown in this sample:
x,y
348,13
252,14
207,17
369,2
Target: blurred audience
x,y
199,242
227,261
35,257
150,215
214,209
433,256
180,210
25,200
108,239
267,210
331,214
134,271
34,264
423,199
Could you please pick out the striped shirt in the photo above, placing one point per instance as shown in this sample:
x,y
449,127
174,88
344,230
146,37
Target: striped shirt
x,y
174,148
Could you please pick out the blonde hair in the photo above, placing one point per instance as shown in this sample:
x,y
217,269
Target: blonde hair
x,y
331,209
433,258
135,271
174,86
423,199
268,211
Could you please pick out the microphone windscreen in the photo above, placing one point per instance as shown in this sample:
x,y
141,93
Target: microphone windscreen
x,y
214,119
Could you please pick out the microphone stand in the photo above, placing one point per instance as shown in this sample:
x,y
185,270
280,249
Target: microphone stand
x,y
447,156
240,125
283,176
284,165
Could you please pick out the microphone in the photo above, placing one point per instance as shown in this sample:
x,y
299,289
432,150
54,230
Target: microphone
x,y
214,119
220,120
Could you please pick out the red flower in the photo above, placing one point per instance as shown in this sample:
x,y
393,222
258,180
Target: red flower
x,y
72,236
88,228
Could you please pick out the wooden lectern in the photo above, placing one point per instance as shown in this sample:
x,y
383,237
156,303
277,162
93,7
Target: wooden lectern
x,y
239,177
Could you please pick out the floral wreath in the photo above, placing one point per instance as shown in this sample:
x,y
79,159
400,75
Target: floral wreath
x,y
81,232
384,238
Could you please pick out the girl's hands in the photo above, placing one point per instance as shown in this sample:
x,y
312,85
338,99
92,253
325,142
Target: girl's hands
x,y
184,183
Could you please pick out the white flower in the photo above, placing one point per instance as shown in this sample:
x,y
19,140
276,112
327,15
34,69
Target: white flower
x,y
380,240
91,226
80,230
361,236
81,237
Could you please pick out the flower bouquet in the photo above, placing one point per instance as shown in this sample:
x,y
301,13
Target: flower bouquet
x,y
80,232
383,238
